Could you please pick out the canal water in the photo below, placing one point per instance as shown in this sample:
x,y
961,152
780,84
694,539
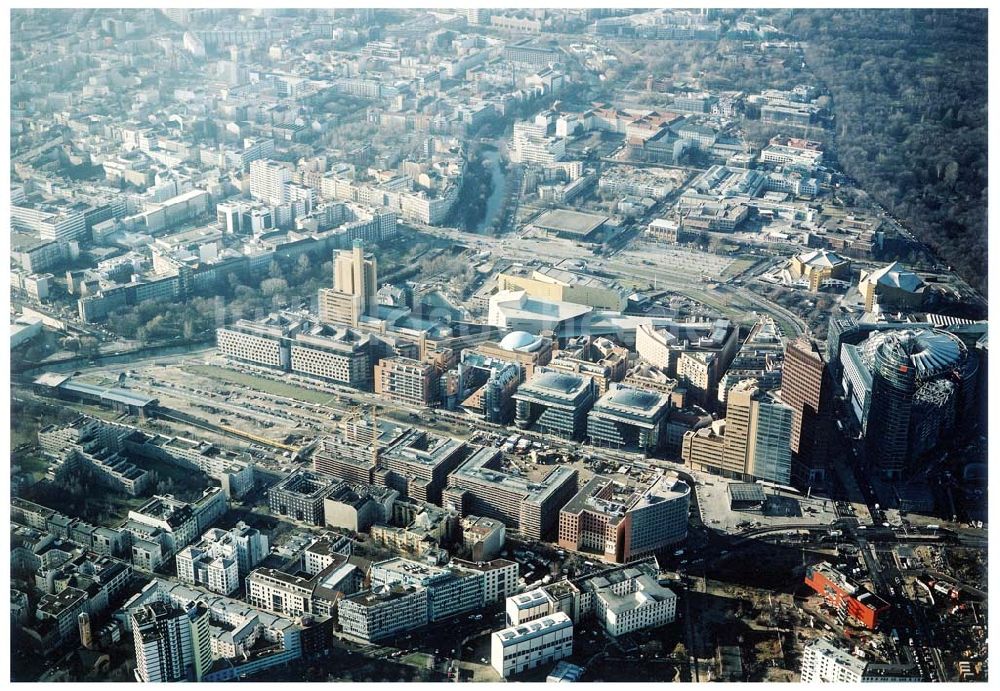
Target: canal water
x,y
491,159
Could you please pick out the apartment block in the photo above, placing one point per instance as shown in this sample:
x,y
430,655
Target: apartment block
x,y
483,487
624,522
406,381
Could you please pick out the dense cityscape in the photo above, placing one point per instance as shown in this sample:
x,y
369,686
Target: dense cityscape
x,y
472,345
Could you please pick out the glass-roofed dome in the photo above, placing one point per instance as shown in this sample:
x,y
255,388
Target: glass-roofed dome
x,y
930,351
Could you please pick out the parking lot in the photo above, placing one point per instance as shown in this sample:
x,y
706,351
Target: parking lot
x,y
677,261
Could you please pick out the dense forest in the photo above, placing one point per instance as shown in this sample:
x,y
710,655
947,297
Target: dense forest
x,y
909,90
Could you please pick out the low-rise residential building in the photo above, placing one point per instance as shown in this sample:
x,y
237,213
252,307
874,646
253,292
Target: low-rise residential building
x,y
482,487
301,496
222,558
164,525
199,566
376,614
63,608
622,523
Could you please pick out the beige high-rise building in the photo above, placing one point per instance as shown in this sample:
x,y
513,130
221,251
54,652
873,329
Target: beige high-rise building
x,y
355,287
752,442
735,450
698,372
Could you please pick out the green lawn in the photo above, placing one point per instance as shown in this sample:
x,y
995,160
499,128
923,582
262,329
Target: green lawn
x,y
22,434
31,462
737,266
418,660
260,384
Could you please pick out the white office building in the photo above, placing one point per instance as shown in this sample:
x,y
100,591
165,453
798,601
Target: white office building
x,y
824,662
528,606
500,576
277,591
635,604
529,645
382,612
269,182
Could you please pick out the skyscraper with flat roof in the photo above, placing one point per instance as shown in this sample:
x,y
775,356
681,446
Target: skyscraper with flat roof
x,y
355,287
753,439
807,388
171,644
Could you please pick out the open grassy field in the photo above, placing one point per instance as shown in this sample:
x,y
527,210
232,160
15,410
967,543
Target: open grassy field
x,y
418,660
738,266
260,384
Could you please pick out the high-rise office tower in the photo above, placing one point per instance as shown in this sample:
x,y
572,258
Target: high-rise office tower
x,y
806,387
737,436
357,275
771,428
355,288
752,442
894,382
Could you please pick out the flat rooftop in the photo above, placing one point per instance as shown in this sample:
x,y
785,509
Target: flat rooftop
x,y
370,598
533,629
482,467
605,495
746,492
109,394
423,448
647,591
532,598
409,569
569,222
